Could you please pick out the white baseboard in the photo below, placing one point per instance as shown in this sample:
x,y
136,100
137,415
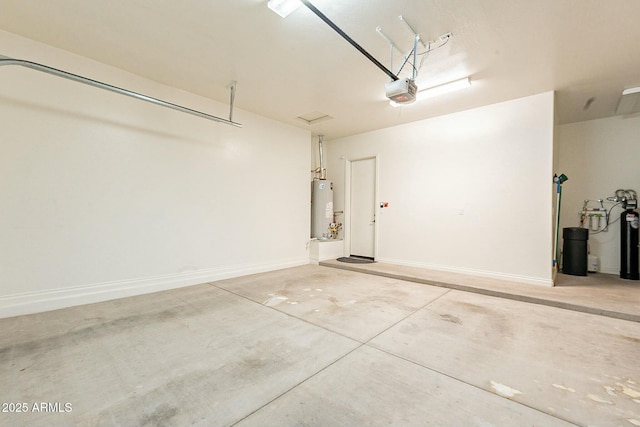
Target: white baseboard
x,y
472,272
36,302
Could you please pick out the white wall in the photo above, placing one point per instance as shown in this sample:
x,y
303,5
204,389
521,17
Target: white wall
x,y
104,196
492,164
599,157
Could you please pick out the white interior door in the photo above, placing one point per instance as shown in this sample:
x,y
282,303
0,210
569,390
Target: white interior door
x,y
363,209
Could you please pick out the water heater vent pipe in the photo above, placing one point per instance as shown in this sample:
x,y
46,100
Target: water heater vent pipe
x,y
323,171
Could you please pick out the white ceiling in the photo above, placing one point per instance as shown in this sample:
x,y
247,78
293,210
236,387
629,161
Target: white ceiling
x,y
290,67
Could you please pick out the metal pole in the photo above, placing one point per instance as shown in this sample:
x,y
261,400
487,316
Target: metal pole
x,y
415,55
80,79
232,100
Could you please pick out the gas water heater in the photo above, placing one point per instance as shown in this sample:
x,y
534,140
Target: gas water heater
x,y
321,208
321,200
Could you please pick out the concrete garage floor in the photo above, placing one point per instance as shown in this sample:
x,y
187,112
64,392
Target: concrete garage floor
x,y
596,293
320,346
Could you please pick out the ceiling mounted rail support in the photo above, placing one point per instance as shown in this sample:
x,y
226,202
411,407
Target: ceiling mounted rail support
x,y
353,43
74,77
413,52
392,46
412,31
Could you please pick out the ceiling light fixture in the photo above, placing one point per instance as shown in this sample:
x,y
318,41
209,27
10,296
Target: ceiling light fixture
x,y
629,101
439,90
283,7
444,88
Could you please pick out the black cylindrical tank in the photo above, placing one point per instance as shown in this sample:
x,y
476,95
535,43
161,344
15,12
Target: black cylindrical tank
x,y
629,245
574,251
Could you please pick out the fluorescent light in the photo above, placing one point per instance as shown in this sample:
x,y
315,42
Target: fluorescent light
x,y
439,90
444,88
283,7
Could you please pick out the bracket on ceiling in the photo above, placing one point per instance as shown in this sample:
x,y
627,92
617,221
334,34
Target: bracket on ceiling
x,y
412,52
232,90
444,38
4,60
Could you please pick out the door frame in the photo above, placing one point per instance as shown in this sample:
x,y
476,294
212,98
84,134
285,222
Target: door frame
x,y
347,203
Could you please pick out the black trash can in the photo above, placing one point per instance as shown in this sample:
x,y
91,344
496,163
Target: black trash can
x,y
574,251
